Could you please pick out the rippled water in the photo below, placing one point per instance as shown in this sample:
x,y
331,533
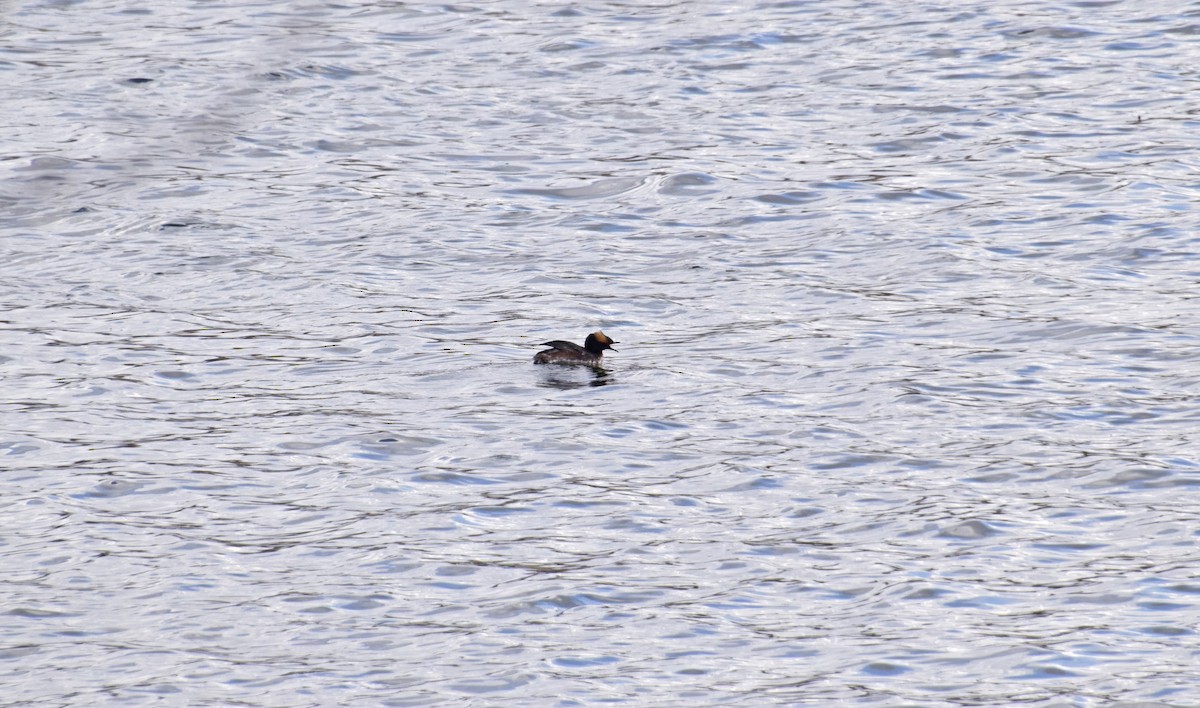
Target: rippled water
x,y
903,408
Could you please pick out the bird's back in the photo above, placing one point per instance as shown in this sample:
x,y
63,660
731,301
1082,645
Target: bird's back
x,y
563,352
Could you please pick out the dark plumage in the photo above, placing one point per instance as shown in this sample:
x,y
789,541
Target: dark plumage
x,y
589,354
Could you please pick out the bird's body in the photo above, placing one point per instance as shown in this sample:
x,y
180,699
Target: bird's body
x,y
563,352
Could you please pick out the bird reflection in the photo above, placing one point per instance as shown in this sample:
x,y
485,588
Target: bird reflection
x,y
562,377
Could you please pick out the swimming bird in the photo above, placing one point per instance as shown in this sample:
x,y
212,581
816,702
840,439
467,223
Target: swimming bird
x,y
589,354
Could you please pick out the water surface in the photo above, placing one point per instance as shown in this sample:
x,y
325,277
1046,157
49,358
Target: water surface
x,y
902,412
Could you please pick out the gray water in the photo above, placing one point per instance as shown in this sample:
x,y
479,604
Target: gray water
x,y
903,408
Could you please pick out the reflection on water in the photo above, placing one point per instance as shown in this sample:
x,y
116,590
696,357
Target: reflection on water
x,y
568,377
910,417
